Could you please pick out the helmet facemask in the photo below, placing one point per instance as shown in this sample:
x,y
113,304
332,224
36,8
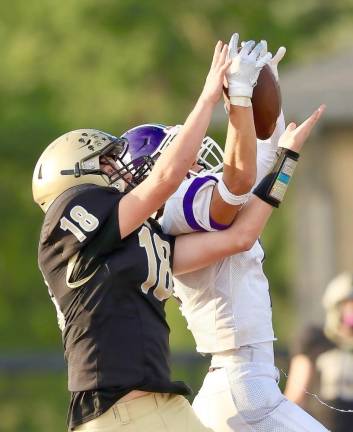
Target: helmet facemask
x,y
121,173
210,155
152,139
131,173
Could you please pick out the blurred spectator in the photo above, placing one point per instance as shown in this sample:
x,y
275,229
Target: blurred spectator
x,y
323,360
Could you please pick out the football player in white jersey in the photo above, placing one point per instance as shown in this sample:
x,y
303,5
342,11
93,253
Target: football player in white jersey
x,y
227,305
228,310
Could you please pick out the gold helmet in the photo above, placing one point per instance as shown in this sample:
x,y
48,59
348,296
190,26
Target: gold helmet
x,y
74,159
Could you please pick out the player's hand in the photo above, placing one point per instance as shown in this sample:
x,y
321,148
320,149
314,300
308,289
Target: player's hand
x,y
213,87
276,59
245,67
295,136
273,63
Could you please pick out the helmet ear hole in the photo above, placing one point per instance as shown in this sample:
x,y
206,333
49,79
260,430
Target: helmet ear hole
x,y
40,175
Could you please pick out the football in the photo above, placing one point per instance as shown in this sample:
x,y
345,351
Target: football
x,y
266,103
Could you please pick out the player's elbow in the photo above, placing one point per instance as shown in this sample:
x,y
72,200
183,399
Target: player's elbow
x,y
245,241
230,242
241,184
247,183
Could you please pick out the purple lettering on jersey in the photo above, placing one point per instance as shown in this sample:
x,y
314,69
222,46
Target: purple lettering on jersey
x,y
189,199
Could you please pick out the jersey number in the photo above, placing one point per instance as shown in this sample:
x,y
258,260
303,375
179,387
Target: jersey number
x,y
86,221
162,279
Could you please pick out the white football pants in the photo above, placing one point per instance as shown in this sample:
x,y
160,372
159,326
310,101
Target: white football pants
x,y
241,393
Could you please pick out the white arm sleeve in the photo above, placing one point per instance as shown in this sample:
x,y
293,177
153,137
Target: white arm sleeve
x,y
188,209
266,150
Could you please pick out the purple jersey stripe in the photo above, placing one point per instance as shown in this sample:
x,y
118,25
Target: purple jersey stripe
x,y
189,199
217,226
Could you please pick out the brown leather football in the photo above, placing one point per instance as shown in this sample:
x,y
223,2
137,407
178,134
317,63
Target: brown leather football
x,y
266,103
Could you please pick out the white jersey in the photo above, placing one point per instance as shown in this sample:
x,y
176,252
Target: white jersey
x,y
227,305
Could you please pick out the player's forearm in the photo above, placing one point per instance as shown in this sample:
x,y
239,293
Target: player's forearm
x,y
266,150
177,159
240,151
239,169
174,163
198,250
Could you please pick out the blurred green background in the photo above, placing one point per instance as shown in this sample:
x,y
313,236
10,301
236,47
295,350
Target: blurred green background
x,y
111,65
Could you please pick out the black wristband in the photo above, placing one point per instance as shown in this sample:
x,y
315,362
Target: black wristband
x,y
273,186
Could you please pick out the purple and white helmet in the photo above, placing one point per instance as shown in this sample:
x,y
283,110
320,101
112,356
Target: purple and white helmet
x,y
152,138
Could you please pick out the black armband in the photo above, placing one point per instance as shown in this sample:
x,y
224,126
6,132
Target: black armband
x,y
273,186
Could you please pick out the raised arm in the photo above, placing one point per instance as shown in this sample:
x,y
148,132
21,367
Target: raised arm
x,y
173,165
198,250
239,172
239,168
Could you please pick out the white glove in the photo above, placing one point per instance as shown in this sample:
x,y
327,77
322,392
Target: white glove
x,y
245,68
273,63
